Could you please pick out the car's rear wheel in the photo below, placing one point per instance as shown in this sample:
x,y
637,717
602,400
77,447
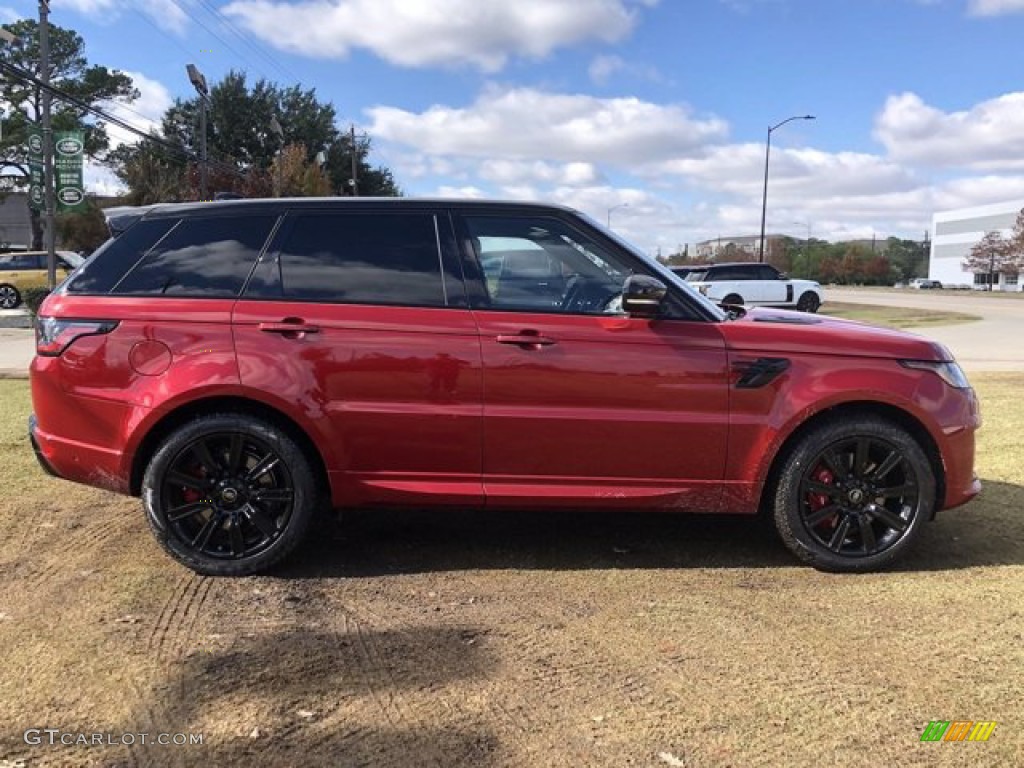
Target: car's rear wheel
x,y
808,302
853,494
733,298
9,297
229,495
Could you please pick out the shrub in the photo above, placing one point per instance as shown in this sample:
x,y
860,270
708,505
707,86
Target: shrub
x,y
33,297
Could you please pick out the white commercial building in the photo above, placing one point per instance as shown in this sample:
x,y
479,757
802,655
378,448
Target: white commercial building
x,y
954,233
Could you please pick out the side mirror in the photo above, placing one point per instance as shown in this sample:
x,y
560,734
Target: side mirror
x,y
642,296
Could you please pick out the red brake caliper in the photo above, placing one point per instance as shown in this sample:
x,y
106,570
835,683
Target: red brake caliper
x,y
818,501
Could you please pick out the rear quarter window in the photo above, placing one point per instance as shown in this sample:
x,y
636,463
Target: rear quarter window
x,y
109,263
200,257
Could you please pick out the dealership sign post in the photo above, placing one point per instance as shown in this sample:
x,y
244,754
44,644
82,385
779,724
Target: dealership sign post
x,y
70,146
35,168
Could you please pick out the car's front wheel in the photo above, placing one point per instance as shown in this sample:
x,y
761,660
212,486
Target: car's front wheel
x,y
229,495
808,302
853,494
9,297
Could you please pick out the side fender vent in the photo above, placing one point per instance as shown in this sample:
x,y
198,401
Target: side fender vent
x,y
759,372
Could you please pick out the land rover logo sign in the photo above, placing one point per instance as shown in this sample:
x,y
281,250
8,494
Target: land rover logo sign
x,y
35,144
67,167
69,146
70,196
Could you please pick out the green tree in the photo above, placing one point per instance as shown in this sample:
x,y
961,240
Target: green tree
x,y
240,135
82,230
909,258
70,72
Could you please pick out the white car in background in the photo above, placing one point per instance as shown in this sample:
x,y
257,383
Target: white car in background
x,y
754,285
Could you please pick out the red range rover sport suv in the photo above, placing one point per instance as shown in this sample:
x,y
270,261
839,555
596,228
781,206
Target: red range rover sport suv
x,y
242,364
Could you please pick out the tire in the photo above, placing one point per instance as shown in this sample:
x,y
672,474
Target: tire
x,y
733,298
834,478
9,296
808,302
229,495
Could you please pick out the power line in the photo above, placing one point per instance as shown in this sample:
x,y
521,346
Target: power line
x,y
227,45
225,21
123,124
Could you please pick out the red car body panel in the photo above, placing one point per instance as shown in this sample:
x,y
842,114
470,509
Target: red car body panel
x,y
594,413
394,394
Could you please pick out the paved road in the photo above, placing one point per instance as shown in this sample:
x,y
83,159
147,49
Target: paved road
x,y
991,344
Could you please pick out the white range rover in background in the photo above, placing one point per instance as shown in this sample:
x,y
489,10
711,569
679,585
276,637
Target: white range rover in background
x,y
754,285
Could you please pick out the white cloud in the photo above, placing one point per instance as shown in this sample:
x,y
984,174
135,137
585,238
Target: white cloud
x,y
988,136
516,172
470,192
9,15
526,123
994,7
603,67
144,113
435,32
168,14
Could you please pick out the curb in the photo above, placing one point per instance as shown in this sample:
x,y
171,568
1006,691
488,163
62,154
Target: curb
x,y
13,373
15,321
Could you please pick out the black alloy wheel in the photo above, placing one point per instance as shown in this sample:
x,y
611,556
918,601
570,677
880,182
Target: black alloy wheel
x,y
229,495
9,297
854,494
808,302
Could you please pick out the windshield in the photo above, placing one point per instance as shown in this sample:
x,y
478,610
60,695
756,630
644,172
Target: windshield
x,y
663,272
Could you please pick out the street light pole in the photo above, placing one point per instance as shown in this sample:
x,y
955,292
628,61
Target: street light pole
x,y
615,208
199,83
764,197
277,130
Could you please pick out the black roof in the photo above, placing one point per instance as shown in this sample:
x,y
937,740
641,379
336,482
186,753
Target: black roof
x,y
120,218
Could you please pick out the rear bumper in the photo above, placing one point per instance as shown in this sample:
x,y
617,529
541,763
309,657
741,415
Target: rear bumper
x,y
78,462
47,467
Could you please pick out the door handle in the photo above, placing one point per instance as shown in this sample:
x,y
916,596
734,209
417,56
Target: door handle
x,y
525,340
290,328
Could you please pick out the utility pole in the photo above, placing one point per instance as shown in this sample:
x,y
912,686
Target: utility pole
x,y
355,164
49,234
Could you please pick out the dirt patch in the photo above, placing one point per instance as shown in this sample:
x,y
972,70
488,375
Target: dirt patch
x,y
485,639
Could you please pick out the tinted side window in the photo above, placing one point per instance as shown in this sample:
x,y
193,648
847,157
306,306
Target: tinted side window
x,y
363,258
6,262
767,272
113,259
202,257
28,261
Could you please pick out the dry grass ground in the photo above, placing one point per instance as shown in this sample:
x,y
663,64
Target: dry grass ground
x,y
895,317
517,640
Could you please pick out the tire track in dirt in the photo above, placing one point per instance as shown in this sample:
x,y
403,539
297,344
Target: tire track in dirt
x,y
508,714
174,628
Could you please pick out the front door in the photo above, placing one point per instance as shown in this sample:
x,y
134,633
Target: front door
x,y
584,405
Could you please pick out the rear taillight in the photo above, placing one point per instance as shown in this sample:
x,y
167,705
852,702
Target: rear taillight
x,y
53,335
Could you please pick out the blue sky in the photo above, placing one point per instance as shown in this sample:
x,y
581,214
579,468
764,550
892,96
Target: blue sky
x,y
656,108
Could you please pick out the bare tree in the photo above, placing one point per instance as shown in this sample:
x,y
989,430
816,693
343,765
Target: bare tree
x,y
990,255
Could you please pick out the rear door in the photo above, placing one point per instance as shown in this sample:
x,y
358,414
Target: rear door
x,y
584,405
357,319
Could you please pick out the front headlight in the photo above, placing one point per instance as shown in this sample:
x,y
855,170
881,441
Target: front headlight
x,y
948,371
